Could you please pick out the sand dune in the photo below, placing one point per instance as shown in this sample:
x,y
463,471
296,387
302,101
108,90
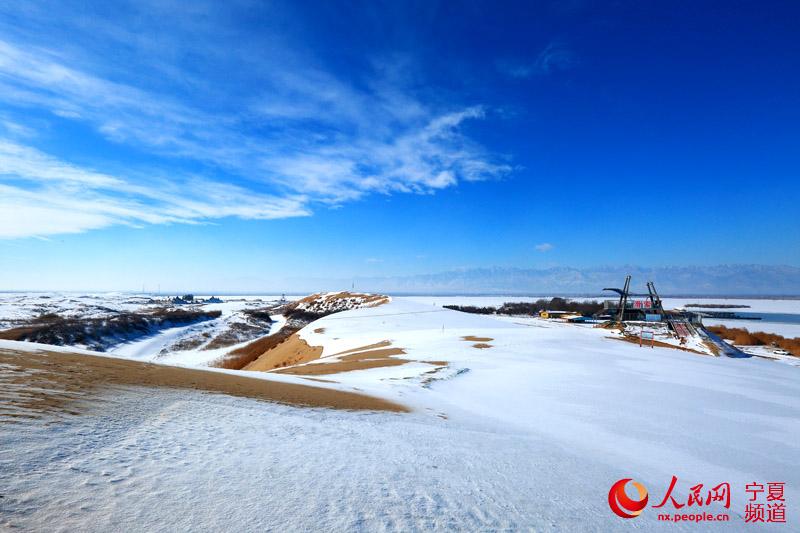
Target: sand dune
x,y
376,358
292,351
34,383
377,355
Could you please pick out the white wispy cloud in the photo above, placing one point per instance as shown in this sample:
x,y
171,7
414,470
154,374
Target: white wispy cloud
x,y
41,195
544,247
423,160
294,135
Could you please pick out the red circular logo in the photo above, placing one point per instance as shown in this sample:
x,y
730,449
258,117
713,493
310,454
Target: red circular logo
x,y
621,504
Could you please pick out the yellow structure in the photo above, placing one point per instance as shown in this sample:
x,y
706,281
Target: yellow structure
x,y
544,313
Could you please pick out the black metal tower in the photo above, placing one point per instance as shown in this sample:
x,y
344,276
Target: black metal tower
x,y
623,297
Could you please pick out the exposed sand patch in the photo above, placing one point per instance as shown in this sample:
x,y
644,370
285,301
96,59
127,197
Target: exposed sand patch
x,y
481,345
241,357
285,348
473,338
381,344
292,351
373,354
646,344
291,355
362,360
35,383
340,366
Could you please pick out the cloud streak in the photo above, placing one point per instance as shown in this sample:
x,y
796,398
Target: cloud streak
x,y
41,195
297,134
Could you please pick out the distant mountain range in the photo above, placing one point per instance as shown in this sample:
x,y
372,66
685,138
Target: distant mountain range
x,y
732,280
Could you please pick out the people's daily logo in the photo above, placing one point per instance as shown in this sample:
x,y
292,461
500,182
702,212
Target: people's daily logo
x,y
623,505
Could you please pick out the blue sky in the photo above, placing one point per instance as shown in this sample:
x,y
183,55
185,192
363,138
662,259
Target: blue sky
x,y
236,144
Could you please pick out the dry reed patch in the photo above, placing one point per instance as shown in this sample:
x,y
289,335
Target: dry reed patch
x,y
744,337
36,383
481,345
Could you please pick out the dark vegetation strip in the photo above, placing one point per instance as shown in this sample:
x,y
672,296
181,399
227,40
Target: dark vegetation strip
x,y
100,333
718,306
257,321
531,308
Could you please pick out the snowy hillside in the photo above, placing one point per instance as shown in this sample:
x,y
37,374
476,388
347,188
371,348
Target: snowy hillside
x,y
140,326
517,424
334,302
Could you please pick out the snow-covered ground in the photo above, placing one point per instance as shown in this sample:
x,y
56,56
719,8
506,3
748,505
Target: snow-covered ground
x,y
527,434
164,347
190,344
769,352
28,305
333,302
189,462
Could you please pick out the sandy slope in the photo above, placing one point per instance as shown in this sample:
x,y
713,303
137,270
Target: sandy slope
x,y
291,351
33,383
